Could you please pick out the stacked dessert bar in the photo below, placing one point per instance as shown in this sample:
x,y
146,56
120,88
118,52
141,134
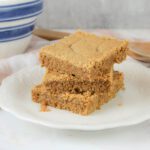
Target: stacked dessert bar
x,y
79,73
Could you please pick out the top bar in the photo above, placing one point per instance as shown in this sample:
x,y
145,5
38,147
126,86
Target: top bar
x,y
84,55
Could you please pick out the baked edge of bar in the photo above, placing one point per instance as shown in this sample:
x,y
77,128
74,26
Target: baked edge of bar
x,y
73,85
91,104
101,69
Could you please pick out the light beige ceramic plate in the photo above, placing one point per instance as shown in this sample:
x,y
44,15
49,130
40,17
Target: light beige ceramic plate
x,y
130,107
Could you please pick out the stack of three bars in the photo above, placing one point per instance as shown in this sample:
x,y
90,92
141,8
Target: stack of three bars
x,y
79,72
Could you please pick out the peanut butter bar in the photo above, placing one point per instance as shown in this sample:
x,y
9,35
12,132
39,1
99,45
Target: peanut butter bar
x,y
84,55
57,83
83,104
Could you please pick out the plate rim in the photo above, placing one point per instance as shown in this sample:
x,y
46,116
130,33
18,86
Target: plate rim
x,y
79,127
132,121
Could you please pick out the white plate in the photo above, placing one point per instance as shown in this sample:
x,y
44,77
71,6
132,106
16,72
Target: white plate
x,y
15,97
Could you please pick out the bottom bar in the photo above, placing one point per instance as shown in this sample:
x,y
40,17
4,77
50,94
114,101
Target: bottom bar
x,y
82,104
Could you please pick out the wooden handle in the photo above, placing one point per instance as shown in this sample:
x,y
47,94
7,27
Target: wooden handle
x,y
49,34
140,47
138,57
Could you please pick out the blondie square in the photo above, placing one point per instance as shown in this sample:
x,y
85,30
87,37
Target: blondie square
x,y
83,104
57,83
84,55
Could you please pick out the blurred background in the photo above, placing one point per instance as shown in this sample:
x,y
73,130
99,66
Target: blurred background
x,y
69,14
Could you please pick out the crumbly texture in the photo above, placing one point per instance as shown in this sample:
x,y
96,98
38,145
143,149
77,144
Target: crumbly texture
x,y
57,83
82,104
84,55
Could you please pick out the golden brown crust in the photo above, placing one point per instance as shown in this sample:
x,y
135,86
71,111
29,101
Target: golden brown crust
x,y
84,55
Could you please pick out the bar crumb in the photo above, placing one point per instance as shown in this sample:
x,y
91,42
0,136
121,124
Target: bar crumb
x,y
44,106
120,104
